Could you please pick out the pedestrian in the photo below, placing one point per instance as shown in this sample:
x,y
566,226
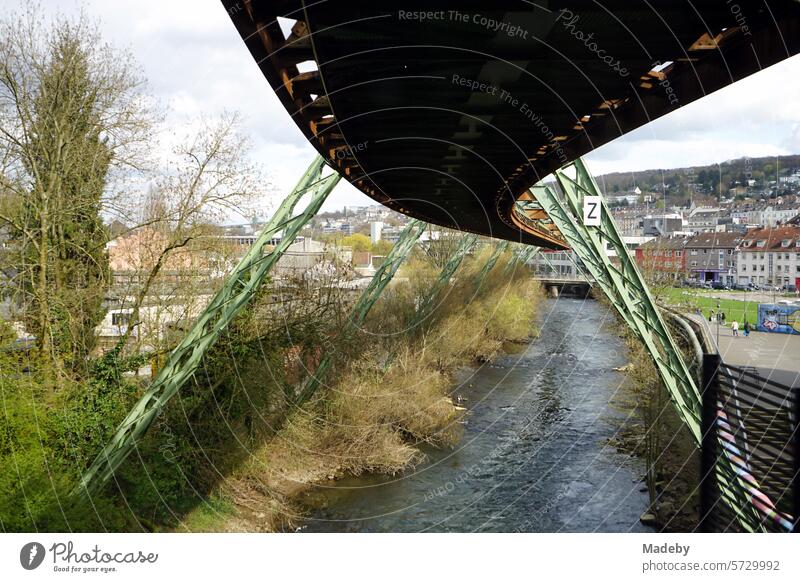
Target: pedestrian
x,y
735,328
711,317
722,317
746,329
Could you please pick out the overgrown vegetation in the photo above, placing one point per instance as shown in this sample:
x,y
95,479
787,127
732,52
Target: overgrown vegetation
x,y
233,450
235,446
654,431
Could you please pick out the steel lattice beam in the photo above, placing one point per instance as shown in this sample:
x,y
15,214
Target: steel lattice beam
x,y
634,293
522,257
492,261
623,285
401,249
626,289
465,246
237,291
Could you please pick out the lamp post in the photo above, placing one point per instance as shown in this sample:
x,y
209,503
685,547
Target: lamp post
x,y
744,316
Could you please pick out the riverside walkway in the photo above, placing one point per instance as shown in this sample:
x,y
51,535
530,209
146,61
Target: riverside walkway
x,y
775,355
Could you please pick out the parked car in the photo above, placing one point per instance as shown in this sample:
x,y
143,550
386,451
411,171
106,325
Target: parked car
x,y
720,285
741,287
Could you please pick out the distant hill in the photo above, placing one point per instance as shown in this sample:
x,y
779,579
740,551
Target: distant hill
x,y
680,183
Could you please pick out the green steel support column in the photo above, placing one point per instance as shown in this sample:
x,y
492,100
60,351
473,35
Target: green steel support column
x,y
401,249
628,292
568,226
634,294
239,287
627,296
465,246
522,257
495,256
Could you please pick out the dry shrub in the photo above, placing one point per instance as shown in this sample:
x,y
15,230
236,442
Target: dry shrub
x,y
370,419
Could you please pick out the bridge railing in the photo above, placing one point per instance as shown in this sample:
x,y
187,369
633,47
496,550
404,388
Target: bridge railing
x,y
752,423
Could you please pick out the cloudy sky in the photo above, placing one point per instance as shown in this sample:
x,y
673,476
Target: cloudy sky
x,y
196,64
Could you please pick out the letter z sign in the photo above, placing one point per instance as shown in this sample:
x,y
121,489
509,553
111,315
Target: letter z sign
x,y
592,207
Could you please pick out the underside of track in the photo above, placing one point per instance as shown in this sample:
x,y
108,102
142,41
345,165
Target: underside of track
x,y
449,111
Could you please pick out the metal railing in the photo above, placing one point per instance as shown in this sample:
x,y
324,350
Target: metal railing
x,y
750,451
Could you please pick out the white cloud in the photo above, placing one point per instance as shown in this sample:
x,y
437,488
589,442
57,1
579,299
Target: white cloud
x,y
197,63
757,116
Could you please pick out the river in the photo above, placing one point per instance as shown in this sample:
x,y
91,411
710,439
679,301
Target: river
x,y
534,456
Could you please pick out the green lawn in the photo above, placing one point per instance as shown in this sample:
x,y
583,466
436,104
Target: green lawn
x,y
693,298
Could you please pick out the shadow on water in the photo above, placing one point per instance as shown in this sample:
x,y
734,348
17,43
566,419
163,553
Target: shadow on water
x,y
534,454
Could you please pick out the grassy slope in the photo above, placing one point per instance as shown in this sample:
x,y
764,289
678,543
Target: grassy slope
x,y
738,310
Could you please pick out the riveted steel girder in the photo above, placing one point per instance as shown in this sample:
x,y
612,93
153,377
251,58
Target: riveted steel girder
x,y
522,257
401,249
465,246
623,284
491,262
236,292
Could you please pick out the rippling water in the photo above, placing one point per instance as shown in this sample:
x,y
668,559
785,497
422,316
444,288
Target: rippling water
x,y
534,456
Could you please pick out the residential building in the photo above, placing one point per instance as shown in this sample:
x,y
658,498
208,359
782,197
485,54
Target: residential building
x,y
628,221
770,256
375,229
665,255
703,219
556,264
661,224
711,256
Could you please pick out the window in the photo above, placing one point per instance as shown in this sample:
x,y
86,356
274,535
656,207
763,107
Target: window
x,y
786,242
678,253
694,252
119,319
760,244
694,263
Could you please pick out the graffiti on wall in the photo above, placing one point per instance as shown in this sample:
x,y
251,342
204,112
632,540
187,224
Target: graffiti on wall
x,y
779,318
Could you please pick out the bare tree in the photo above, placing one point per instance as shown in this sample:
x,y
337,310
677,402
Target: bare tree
x,y
71,111
208,180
